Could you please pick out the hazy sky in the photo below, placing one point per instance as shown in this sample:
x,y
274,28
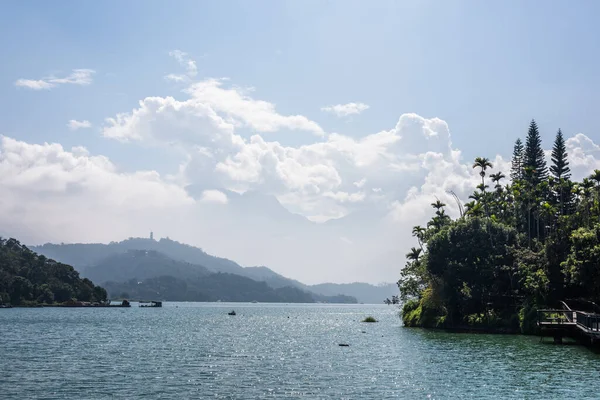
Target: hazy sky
x,y
121,117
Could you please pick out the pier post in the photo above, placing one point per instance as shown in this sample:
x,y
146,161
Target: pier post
x,y
557,339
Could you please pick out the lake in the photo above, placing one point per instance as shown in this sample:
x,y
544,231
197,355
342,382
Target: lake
x,y
195,350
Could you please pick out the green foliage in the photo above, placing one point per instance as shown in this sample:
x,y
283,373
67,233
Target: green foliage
x,y
516,172
27,278
517,248
369,319
560,165
534,157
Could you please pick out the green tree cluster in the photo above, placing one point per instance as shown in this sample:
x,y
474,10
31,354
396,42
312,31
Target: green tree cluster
x,y
27,278
532,243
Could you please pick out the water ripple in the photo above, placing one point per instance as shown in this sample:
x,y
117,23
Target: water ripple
x,y
195,350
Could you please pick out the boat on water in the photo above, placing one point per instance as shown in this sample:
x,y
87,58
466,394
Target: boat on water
x,y
151,303
232,312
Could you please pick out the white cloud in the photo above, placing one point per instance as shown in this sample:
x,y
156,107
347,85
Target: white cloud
x,y
77,77
360,183
259,115
343,110
367,191
74,124
317,180
185,61
214,196
583,155
34,84
176,78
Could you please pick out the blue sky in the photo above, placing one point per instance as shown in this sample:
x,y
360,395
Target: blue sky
x,y
484,67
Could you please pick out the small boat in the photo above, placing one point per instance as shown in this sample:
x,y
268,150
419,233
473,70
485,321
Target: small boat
x,y
232,312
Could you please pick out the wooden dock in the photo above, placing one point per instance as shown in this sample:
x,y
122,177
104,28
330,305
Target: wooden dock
x,y
579,325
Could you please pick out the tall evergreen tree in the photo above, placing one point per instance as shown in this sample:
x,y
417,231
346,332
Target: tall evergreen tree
x,y
516,172
534,155
560,165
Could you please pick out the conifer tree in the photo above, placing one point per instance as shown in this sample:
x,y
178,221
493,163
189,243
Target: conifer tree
x,y
534,155
560,165
516,173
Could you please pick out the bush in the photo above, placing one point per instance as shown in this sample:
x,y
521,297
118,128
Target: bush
x,y
411,313
528,319
369,319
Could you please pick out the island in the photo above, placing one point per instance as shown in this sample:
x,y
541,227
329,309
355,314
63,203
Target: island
x,y
513,249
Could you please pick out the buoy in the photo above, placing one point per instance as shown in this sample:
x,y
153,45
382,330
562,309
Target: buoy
x,y
344,345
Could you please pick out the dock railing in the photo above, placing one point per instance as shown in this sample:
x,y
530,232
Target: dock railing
x,y
558,317
588,321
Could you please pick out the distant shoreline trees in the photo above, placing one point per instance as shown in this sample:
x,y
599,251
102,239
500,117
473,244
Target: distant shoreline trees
x,y
27,278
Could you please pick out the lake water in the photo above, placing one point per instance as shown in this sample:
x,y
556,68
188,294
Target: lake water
x,y
195,350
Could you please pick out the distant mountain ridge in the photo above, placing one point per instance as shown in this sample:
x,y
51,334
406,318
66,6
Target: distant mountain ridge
x,y
87,257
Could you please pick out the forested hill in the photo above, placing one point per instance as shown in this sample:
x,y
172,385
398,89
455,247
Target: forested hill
x,y
214,287
87,256
27,278
148,274
515,248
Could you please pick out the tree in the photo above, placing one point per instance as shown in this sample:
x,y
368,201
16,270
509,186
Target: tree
x,y
419,232
483,164
560,165
414,254
496,178
516,172
534,155
539,246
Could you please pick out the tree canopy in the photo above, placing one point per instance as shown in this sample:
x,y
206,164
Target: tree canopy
x,y
27,278
529,244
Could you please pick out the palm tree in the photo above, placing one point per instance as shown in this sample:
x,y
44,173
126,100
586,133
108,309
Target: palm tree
x,y
484,164
473,209
496,178
414,254
438,205
418,232
595,176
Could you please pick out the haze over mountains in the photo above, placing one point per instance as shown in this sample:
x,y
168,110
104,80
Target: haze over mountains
x,y
185,272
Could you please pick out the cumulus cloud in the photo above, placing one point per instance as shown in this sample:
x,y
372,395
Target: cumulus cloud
x,y
583,155
75,125
214,196
365,191
318,180
236,104
343,110
76,77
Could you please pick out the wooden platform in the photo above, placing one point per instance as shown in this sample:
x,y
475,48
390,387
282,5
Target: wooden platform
x,y
578,325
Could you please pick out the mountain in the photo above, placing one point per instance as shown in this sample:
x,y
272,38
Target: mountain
x,y
141,265
27,278
365,293
213,287
149,274
86,256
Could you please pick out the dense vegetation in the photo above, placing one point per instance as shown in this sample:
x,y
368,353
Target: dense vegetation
x,y
214,287
27,278
531,243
